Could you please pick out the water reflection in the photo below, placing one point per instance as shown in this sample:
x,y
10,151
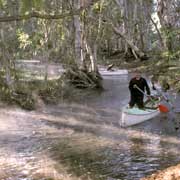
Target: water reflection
x,y
89,143
149,147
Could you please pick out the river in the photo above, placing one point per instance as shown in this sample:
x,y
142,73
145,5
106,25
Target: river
x,y
82,140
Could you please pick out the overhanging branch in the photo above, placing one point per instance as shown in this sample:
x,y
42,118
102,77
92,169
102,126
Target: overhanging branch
x,y
39,15
36,14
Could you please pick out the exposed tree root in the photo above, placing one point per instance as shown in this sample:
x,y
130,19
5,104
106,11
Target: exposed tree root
x,y
83,79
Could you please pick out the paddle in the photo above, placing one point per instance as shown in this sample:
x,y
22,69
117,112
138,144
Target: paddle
x,y
175,110
165,98
161,107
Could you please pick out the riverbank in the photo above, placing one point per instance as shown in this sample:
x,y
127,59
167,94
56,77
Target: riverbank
x,y
171,173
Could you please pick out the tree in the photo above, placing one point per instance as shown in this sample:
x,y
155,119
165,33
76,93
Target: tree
x,y
167,11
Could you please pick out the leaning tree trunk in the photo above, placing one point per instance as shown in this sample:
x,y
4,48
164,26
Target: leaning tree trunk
x,y
130,29
135,24
158,33
138,52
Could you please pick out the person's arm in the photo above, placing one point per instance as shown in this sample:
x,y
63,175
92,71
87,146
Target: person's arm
x,y
131,85
153,86
147,87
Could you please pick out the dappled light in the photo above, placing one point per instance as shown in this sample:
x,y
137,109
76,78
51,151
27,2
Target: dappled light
x,y
89,90
84,140
71,141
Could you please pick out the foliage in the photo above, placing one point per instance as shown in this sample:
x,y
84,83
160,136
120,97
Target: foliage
x,y
54,40
51,92
20,95
24,39
27,5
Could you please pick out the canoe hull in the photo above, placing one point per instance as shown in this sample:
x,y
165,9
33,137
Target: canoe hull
x,y
129,119
113,73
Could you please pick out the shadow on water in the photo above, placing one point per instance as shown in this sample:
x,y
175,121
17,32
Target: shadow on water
x,y
88,143
100,149
126,158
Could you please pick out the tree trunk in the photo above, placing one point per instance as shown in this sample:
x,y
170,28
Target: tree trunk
x,y
135,24
133,47
93,59
158,33
78,37
6,62
167,16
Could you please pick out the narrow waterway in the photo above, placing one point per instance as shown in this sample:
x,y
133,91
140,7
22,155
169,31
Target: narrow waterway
x,y
127,153
83,140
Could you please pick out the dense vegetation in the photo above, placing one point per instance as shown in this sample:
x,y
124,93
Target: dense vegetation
x,y
79,35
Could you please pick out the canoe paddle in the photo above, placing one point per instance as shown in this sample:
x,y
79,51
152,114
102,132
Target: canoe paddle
x,y
175,110
165,98
161,107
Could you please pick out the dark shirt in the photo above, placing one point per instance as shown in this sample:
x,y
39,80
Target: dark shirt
x,y
141,83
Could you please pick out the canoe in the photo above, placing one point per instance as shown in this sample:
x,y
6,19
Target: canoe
x,y
113,73
132,116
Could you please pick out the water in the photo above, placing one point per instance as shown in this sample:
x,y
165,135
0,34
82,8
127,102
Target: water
x,y
83,140
136,151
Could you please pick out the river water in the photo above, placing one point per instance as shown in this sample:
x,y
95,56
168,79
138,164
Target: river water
x,y
82,140
136,151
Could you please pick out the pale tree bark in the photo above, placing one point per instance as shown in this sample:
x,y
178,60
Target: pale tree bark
x,y
46,49
6,60
123,8
168,16
91,57
83,44
141,24
78,37
136,22
129,42
147,8
129,26
129,29
126,24
46,59
95,42
158,33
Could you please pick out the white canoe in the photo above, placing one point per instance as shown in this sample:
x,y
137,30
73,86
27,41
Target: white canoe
x,y
132,116
113,73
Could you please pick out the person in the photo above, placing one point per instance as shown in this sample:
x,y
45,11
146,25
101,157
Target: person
x,y
137,87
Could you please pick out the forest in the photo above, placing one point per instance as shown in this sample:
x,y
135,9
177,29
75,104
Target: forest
x,y
82,34
52,53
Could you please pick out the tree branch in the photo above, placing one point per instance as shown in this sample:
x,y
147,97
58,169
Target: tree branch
x,y
158,32
39,15
36,14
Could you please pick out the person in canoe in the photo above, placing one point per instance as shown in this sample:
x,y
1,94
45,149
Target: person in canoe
x,y
137,86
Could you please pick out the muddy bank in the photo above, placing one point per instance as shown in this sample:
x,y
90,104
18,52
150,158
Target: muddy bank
x,y
172,173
